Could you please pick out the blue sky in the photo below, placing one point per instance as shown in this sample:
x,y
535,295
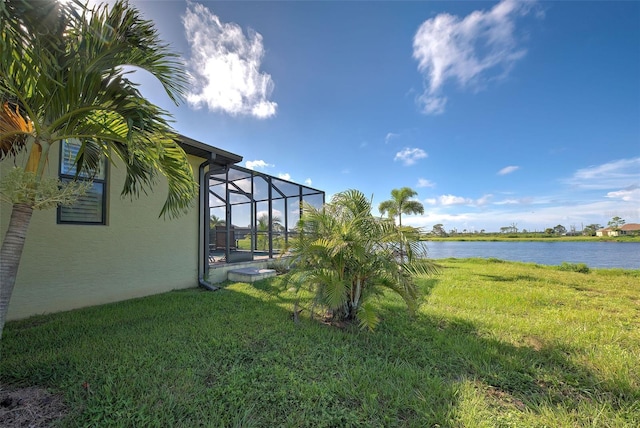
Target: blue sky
x,y
496,113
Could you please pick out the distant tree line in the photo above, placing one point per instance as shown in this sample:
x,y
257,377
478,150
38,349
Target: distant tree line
x,y
559,230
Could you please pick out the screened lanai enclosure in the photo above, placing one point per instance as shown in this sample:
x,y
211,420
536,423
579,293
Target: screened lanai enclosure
x,y
253,215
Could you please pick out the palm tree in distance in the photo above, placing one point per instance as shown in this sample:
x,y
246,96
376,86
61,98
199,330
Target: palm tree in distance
x,y
214,221
62,78
263,228
401,203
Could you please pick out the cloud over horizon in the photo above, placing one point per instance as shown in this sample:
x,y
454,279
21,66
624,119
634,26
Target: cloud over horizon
x,y
618,174
225,66
468,51
629,194
592,195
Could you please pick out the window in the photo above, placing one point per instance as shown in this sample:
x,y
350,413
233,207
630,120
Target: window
x,y
90,208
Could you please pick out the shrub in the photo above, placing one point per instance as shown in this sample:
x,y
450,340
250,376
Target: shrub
x,y
281,266
346,257
574,267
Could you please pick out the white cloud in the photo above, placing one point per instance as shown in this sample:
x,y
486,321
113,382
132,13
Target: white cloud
x,y
507,202
425,183
592,195
275,213
452,200
225,66
528,217
521,201
259,164
630,194
308,182
285,176
390,136
611,175
484,200
467,51
410,156
432,104
508,170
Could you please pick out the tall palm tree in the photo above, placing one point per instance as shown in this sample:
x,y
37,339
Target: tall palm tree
x,y
346,256
62,77
401,203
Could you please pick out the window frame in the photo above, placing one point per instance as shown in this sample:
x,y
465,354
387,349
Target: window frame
x,y
65,177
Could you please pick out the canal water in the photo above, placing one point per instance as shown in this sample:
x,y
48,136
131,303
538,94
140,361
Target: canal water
x,y
625,255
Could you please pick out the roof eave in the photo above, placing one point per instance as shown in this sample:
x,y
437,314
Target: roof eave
x,y
205,151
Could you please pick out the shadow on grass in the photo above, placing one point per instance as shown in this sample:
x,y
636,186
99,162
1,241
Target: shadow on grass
x,y
510,278
191,357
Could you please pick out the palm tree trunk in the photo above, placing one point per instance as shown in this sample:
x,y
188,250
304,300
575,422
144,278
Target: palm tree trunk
x,y
10,255
400,226
356,298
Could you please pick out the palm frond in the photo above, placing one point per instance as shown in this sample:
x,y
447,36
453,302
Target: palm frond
x,y
66,67
367,316
14,130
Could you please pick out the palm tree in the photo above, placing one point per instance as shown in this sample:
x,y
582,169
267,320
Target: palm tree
x,y
214,221
263,227
345,257
62,77
401,203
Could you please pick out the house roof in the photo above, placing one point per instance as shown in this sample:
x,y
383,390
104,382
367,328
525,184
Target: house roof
x,y
205,151
630,227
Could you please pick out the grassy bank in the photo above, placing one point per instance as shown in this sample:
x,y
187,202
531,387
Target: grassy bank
x,y
494,344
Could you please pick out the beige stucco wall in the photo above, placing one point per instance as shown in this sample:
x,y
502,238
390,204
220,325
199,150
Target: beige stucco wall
x,y
136,254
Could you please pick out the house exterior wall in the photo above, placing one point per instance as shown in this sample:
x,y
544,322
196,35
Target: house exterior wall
x,y
67,266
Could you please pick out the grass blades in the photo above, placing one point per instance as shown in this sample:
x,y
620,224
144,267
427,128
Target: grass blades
x,y
493,344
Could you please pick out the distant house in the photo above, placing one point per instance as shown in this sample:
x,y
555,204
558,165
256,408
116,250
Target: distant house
x,y
627,229
107,248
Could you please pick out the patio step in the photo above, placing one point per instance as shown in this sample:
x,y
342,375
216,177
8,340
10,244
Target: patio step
x,y
250,274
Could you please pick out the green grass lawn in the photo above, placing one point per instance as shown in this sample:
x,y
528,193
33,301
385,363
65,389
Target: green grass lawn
x,y
494,344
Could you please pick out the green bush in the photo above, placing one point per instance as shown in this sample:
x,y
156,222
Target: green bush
x,y
574,267
281,266
347,257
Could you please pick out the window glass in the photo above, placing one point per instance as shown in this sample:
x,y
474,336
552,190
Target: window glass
x,y
70,149
91,207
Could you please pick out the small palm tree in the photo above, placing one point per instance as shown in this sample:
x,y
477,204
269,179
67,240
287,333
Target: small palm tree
x,y
346,257
61,78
